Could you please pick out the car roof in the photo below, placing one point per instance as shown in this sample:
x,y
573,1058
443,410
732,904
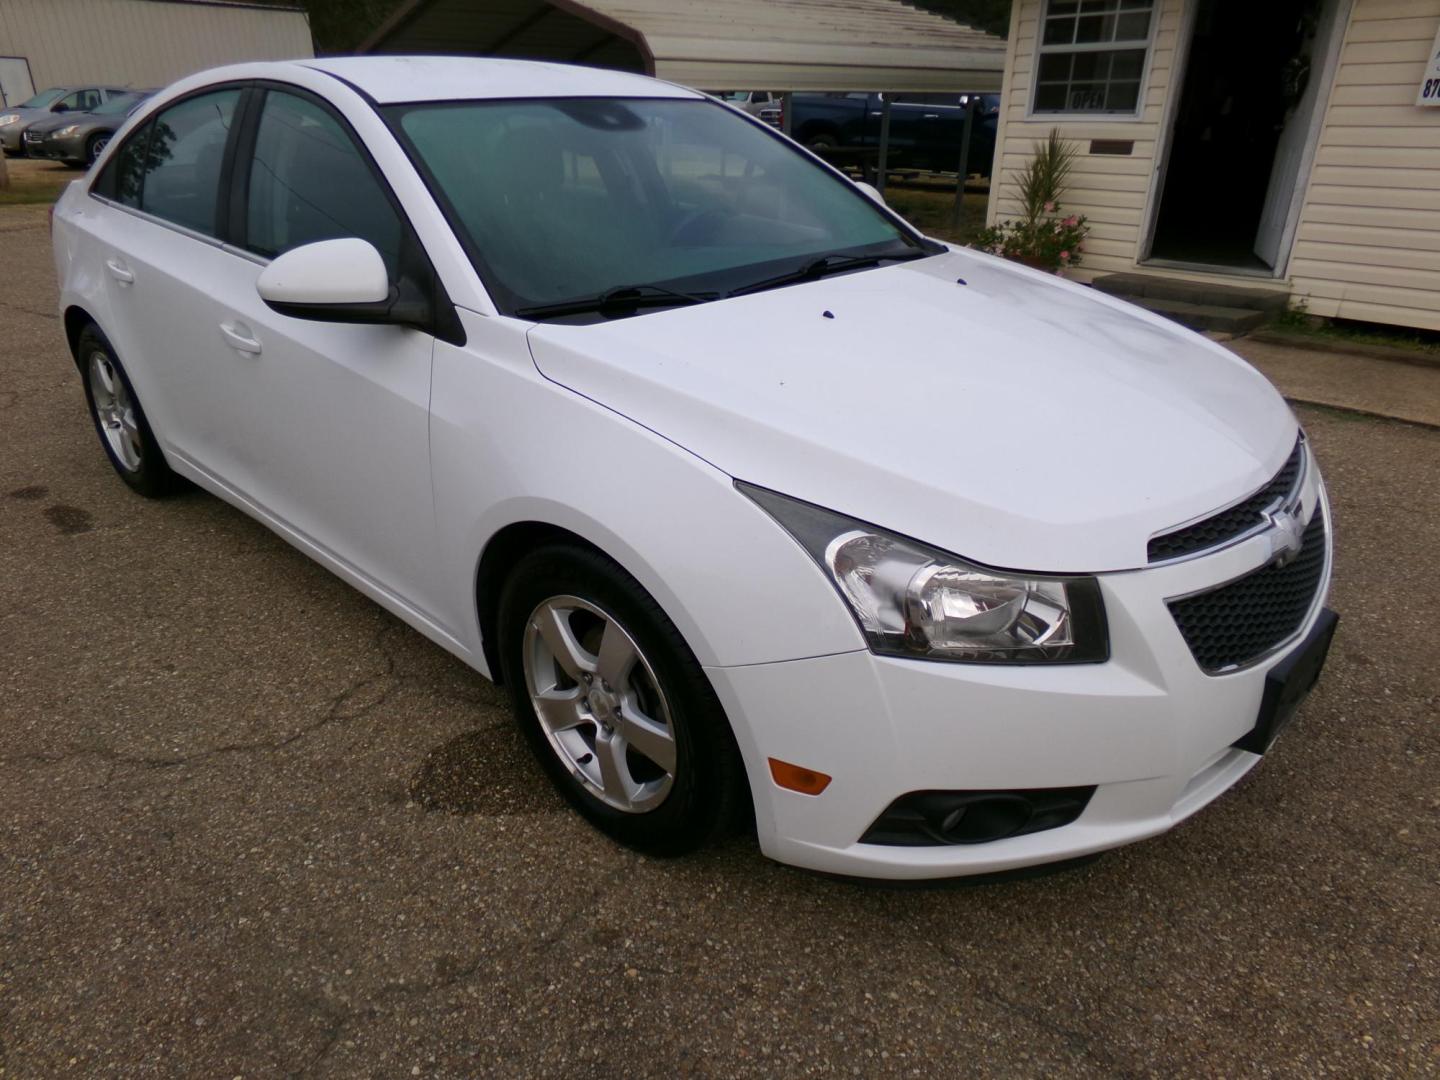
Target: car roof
x,y
393,79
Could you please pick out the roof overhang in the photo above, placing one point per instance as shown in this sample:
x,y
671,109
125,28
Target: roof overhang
x,y
783,45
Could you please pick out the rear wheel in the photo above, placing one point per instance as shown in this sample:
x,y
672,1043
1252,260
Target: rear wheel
x,y
821,144
119,421
614,704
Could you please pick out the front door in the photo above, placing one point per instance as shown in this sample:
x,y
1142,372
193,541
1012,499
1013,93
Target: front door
x,y
1285,180
333,418
1254,75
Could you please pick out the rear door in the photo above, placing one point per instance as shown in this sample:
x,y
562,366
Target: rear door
x,y
159,234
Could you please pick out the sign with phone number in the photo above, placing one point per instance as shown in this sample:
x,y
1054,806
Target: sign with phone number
x,y
1430,85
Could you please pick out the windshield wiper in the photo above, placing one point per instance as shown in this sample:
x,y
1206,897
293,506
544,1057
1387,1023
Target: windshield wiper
x,y
621,300
826,264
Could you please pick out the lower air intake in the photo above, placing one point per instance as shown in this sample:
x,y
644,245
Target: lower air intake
x,y
934,818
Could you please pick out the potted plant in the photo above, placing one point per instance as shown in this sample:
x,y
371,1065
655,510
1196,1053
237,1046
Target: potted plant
x,y
1043,237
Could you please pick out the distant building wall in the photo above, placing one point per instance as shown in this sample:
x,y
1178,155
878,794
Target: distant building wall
x,y
144,42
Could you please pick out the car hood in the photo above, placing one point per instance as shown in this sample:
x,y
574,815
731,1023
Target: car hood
x,y
999,413
66,119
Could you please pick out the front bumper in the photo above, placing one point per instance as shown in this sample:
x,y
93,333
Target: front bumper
x,y
1148,728
10,136
51,148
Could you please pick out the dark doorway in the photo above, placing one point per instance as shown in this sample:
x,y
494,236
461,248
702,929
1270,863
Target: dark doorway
x,y
1245,82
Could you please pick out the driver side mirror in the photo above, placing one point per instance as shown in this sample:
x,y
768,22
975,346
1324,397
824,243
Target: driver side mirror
x,y
872,191
342,281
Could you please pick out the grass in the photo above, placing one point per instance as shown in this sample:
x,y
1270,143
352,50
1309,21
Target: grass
x,y
35,181
1347,331
931,211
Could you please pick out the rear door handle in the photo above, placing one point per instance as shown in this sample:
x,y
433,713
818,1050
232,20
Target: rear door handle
x,y
237,335
119,272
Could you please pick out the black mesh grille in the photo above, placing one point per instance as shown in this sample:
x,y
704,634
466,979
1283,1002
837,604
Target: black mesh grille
x,y
1236,623
1228,524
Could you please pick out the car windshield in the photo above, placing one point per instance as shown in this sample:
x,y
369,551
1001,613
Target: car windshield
x,y
118,105
40,100
560,200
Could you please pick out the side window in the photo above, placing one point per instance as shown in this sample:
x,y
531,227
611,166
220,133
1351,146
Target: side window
x,y
309,182
121,179
182,159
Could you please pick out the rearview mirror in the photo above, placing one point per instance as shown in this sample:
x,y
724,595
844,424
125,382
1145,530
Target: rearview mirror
x,y
341,281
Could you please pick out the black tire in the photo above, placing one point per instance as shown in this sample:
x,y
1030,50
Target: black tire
x,y
821,144
707,786
151,476
94,145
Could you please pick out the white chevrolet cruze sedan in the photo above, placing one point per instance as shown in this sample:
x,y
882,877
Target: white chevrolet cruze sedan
x,y
752,495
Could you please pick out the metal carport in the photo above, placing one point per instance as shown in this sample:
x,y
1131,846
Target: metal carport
x,y
782,45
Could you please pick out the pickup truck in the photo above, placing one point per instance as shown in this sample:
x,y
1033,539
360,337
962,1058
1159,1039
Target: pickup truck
x,y
925,129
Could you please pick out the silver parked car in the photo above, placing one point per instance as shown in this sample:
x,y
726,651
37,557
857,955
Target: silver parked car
x,y
78,138
48,103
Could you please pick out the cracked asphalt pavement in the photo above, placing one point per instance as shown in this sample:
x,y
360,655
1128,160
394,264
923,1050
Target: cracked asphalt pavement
x,y
251,825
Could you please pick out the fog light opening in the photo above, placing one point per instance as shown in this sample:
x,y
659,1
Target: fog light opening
x,y
938,818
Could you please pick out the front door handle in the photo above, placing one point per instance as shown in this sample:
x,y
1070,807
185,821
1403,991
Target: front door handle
x,y
119,272
237,335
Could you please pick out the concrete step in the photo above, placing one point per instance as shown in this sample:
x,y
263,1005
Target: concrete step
x,y
1215,317
1136,287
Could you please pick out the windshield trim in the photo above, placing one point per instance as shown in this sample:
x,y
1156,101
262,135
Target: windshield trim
x,y
392,115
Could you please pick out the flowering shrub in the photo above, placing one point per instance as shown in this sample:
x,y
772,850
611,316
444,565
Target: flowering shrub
x,y
1040,237
1050,242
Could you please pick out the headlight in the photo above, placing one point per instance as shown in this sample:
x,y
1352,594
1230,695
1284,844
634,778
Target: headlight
x,y
9,118
916,601
67,131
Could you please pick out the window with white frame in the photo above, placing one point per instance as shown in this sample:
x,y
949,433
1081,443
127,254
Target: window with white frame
x,y
1092,56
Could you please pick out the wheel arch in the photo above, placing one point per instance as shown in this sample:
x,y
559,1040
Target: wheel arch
x,y
812,129
502,551
76,319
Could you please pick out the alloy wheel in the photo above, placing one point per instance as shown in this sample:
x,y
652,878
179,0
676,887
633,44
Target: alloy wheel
x,y
599,704
115,412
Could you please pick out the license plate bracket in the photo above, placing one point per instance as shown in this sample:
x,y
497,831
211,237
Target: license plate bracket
x,y
1288,683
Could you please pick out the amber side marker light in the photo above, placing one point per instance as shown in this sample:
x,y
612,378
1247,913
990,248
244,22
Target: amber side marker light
x,y
798,778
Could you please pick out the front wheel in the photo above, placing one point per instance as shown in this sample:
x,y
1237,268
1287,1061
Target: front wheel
x,y
96,146
614,704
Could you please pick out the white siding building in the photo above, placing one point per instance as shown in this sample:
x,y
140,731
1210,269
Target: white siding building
x,y
1280,144
140,43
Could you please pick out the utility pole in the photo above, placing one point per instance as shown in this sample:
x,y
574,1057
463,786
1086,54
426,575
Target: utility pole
x,y
881,167
970,105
